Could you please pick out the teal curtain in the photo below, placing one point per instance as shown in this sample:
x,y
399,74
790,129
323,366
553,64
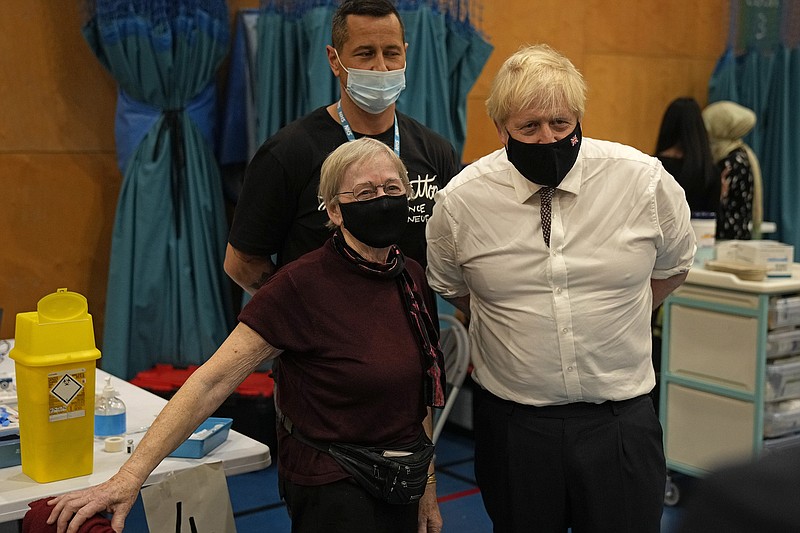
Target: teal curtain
x,y
168,298
440,77
291,76
760,69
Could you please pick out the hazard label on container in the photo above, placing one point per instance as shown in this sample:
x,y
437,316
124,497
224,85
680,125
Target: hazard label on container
x,y
67,394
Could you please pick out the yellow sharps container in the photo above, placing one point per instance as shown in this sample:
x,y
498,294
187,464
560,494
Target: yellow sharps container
x,y
55,354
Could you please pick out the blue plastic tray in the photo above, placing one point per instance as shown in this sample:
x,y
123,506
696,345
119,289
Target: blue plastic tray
x,y
9,451
215,432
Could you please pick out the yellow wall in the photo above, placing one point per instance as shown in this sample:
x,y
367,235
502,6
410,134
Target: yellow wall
x,y
58,176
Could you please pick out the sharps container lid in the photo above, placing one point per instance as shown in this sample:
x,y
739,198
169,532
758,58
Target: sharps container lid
x,y
61,306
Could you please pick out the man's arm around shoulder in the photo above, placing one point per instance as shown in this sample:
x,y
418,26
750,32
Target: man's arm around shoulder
x,y
250,272
461,303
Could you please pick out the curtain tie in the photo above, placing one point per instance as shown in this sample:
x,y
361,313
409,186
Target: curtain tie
x,y
173,124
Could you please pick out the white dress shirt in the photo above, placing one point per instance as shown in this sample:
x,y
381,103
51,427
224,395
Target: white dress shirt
x,y
571,322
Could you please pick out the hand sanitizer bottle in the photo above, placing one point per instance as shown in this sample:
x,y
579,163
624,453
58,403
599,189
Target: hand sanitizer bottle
x,y
109,413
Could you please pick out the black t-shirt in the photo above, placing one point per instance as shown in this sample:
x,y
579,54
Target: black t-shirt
x,y
279,210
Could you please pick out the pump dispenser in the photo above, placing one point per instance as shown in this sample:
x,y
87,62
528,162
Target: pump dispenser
x,y
109,413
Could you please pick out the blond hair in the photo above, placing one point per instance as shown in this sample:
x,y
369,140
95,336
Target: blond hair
x,y
536,76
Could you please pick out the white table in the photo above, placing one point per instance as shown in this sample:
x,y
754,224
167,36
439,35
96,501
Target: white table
x,y
239,454
725,280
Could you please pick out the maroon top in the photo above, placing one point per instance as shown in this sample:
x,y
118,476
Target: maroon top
x,y
351,370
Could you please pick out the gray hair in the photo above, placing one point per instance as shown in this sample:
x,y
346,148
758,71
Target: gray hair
x,y
356,153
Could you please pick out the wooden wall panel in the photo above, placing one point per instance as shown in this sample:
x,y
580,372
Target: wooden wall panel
x,y
628,94
515,23
671,28
55,95
635,57
481,132
56,223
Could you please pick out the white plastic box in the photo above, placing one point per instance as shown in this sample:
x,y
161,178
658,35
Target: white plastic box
x,y
783,379
783,342
781,418
704,230
784,312
781,444
726,250
776,256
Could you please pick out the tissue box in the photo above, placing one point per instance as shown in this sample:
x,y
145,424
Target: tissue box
x,y
726,250
195,448
776,256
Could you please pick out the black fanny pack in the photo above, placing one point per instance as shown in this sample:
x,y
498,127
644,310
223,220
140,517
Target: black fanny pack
x,y
396,476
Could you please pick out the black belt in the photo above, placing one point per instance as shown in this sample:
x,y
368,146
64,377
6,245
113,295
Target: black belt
x,y
568,410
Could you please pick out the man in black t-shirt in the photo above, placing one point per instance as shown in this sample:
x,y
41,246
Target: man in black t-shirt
x,y
279,211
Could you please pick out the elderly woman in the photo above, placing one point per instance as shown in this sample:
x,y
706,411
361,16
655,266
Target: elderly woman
x,y
740,211
359,361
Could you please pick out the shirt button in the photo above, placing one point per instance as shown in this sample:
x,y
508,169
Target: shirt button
x,y
558,290
569,368
564,330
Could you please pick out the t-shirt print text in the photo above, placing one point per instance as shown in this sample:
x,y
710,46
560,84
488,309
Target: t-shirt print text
x,y
423,188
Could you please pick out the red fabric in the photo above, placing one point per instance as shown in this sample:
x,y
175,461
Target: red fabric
x,y
166,378
35,520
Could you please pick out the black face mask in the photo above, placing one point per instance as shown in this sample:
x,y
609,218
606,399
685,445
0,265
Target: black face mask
x,y
378,222
545,164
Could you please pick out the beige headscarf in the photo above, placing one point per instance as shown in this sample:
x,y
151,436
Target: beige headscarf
x,y
727,122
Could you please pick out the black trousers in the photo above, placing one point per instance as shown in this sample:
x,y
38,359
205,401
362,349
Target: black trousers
x,y
344,507
592,467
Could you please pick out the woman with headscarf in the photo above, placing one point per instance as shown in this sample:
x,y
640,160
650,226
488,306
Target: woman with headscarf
x,y
740,202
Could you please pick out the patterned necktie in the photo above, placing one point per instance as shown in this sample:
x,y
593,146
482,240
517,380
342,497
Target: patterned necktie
x,y
546,197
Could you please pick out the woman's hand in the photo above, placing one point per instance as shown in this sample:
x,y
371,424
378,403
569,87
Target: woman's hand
x,y
117,496
430,519
203,392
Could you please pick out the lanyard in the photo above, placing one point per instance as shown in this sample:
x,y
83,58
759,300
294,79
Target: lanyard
x,y
348,131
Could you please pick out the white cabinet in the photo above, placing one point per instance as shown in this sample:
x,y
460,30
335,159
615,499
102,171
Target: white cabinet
x,y
724,392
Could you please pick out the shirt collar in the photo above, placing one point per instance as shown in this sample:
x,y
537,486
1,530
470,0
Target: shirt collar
x,y
525,189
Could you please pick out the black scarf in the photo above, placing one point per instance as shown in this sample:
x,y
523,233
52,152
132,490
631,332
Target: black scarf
x,y
418,316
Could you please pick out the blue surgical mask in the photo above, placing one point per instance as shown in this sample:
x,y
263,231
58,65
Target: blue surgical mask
x,y
373,90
